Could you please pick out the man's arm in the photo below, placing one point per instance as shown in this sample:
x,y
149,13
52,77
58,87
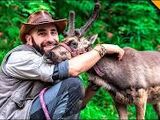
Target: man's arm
x,y
28,65
87,60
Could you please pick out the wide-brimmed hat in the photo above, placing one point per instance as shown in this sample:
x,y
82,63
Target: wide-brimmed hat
x,y
40,18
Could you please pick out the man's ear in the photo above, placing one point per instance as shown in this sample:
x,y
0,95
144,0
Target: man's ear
x,y
92,38
28,39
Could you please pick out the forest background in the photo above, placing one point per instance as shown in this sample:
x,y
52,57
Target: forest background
x,y
132,23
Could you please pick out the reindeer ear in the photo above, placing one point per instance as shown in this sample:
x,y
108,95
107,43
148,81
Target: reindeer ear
x,y
92,38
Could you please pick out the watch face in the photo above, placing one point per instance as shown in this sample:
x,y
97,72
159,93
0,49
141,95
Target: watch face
x,y
156,3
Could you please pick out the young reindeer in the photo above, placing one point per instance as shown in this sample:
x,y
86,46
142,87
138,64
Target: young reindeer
x,y
134,79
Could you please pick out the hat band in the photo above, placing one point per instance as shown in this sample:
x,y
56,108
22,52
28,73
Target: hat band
x,y
42,20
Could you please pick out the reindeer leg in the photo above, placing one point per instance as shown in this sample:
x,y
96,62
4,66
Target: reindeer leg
x,y
157,109
90,90
95,83
89,93
140,103
122,110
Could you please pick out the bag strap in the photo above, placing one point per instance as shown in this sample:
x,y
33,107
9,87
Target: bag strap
x,y
42,102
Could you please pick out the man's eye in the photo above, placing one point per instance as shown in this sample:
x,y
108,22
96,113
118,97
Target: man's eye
x,y
54,32
41,34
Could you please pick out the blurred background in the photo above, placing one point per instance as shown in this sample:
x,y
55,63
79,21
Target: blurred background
x,y
132,23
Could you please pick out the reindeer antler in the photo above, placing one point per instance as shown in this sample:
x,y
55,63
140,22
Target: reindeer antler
x,y
83,29
80,32
71,25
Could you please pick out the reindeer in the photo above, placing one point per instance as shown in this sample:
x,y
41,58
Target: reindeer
x,y
133,80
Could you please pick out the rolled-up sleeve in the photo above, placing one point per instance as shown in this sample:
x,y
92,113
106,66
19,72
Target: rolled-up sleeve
x,y
60,71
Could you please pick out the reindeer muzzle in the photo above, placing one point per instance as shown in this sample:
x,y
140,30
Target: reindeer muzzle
x,y
73,52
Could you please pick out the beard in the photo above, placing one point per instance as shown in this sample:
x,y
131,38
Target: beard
x,y
40,48
37,47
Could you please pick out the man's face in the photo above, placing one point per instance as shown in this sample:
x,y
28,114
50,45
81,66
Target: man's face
x,y
43,37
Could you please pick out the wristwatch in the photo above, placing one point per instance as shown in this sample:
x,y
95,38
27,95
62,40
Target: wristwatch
x,y
102,51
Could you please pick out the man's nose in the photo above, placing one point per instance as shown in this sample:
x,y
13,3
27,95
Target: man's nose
x,y
52,39
55,42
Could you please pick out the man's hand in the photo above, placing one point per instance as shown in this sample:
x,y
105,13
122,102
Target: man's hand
x,y
111,49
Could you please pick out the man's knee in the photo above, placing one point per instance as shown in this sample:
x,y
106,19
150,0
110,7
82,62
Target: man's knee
x,y
74,84
75,91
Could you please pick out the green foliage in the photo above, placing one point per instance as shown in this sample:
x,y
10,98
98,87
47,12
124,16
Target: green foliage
x,y
133,23
138,27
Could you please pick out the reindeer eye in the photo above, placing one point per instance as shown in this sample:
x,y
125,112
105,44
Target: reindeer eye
x,y
73,44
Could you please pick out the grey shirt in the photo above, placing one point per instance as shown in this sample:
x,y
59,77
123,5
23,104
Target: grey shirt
x,y
28,65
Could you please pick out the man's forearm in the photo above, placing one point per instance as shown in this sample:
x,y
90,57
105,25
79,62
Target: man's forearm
x,y
83,62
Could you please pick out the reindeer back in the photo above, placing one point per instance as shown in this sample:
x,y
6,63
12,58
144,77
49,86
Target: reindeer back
x,y
134,70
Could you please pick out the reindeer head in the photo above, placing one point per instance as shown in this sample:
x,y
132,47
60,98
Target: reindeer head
x,y
74,43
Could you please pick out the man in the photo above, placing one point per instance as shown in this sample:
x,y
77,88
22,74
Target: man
x,y
25,72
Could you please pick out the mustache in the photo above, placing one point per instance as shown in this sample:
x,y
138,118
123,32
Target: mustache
x,y
43,44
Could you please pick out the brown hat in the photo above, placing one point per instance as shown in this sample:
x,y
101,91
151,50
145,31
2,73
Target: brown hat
x,y
40,18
